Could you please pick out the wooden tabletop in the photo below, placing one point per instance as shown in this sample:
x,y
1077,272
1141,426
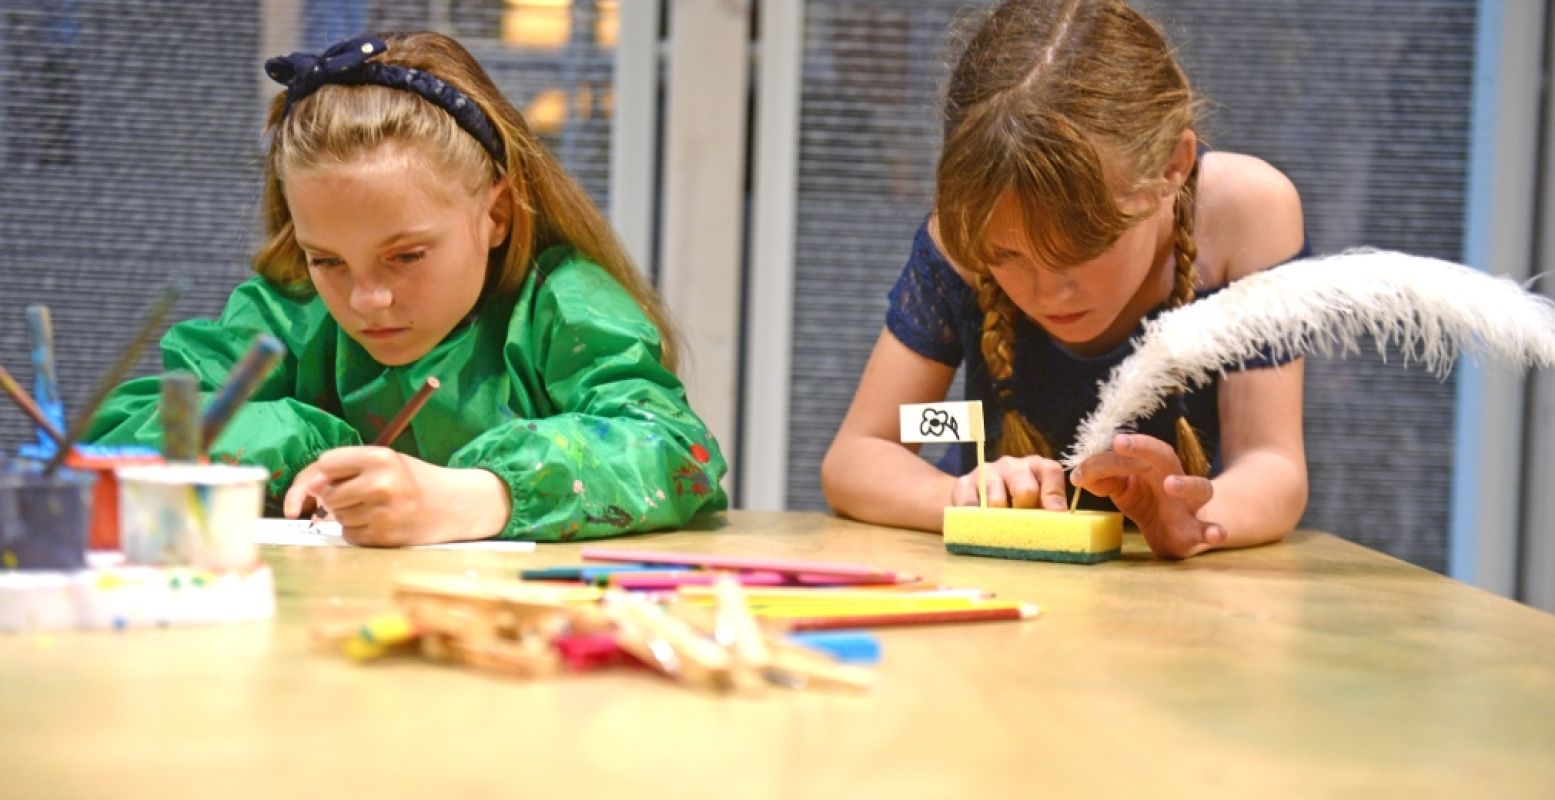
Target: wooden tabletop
x,y
1312,668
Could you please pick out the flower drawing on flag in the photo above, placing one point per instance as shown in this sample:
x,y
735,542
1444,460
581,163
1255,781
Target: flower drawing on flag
x,y
936,421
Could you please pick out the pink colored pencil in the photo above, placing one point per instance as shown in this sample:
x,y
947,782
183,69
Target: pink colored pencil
x,y
910,618
708,561
661,581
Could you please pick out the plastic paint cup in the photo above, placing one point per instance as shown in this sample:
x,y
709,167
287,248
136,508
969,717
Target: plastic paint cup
x,y
105,502
199,515
44,520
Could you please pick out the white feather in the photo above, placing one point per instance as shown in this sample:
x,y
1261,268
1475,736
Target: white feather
x,y
1430,308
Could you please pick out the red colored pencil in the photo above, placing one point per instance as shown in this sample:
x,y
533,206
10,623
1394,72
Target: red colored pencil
x,y
710,561
1024,611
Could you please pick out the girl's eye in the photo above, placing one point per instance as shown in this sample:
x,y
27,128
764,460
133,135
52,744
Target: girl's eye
x,y
410,257
323,262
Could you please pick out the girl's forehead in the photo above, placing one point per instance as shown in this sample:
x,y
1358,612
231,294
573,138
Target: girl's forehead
x,y
388,169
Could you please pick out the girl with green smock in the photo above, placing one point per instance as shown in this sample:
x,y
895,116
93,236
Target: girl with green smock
x,y
417,228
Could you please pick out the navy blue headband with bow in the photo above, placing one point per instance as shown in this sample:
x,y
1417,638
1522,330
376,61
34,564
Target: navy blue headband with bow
x,y
348,63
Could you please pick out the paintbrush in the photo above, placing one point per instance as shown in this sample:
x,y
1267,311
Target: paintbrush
x,y
115,374
40,326
241,383
179,412
28,407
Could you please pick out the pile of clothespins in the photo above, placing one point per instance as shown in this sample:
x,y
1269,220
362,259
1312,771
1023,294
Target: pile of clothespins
x,y
711,622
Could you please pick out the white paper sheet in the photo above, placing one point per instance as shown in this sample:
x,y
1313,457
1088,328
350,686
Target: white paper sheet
x,y
302,533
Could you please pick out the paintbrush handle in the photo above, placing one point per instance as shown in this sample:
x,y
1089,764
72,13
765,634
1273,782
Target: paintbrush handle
x,y
401,420
40,325
115,374
241,383
28,407
180,414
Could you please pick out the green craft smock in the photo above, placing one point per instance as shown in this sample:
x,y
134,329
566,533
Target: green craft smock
x,y
557,390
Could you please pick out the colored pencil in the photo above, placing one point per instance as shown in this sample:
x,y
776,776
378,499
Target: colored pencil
x,y
242,382
865,609
115,374
795,594
709,561
397,425
1021,611
659,581
28,407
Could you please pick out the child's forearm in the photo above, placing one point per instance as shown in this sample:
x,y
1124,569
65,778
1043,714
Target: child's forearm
x,y
881,482
1258,500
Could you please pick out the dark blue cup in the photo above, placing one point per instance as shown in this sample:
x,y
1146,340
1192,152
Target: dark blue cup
x,y
44,521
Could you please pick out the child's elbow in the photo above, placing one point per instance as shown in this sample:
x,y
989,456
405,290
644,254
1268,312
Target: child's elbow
x,y
833,478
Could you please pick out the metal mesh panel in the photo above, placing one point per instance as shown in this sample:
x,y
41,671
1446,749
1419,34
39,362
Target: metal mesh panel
x,y
1365,106
130,135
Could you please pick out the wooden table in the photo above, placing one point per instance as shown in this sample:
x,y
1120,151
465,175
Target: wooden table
x,y
1312,668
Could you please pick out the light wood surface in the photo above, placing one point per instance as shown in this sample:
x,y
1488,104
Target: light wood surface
x,y
1314,668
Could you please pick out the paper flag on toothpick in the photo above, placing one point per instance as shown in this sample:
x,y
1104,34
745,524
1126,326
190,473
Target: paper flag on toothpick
x,y
943,422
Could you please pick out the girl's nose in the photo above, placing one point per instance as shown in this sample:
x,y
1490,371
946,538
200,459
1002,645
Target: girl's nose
x,y
368,296
1052,282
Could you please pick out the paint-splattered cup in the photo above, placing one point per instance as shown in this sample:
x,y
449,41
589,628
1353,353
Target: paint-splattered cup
x,y
198,515
44,519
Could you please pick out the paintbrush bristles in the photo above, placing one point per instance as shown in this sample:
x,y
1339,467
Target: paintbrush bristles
x,y
1431,309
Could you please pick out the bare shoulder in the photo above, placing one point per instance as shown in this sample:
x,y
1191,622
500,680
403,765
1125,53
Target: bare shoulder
x,y
1249,215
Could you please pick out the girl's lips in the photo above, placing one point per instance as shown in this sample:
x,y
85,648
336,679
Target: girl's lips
x,y
1065,319
382,333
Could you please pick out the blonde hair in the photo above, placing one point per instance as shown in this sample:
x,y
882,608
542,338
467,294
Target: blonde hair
x,y
338,123
1069,105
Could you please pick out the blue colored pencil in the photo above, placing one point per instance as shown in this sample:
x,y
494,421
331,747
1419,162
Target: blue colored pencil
x,y
241,384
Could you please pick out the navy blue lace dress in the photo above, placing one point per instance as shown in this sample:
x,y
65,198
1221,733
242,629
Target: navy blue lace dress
x,y
935,314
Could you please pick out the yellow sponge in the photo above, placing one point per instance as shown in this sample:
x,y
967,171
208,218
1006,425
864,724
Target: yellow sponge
x,y
1079,537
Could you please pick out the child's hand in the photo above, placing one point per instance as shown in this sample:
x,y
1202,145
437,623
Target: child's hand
x,y
1145,479
1030,482
386,499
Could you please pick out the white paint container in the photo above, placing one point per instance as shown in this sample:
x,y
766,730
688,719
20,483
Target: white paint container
x,y
190,514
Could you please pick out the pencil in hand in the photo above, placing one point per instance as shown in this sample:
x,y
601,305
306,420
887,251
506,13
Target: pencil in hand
x,y
402,420
393,430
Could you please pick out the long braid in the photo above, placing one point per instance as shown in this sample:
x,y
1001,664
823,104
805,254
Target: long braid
x,y
1018,436
1189,450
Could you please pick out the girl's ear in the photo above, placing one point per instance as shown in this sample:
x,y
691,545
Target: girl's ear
x,y
501,212
1180,165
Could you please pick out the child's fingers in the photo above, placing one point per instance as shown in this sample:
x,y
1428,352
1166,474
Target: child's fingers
x,y
1214,535
343,463
308,483
965,491
1016,475
1051,476
1106,466
1158,454
1194,492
